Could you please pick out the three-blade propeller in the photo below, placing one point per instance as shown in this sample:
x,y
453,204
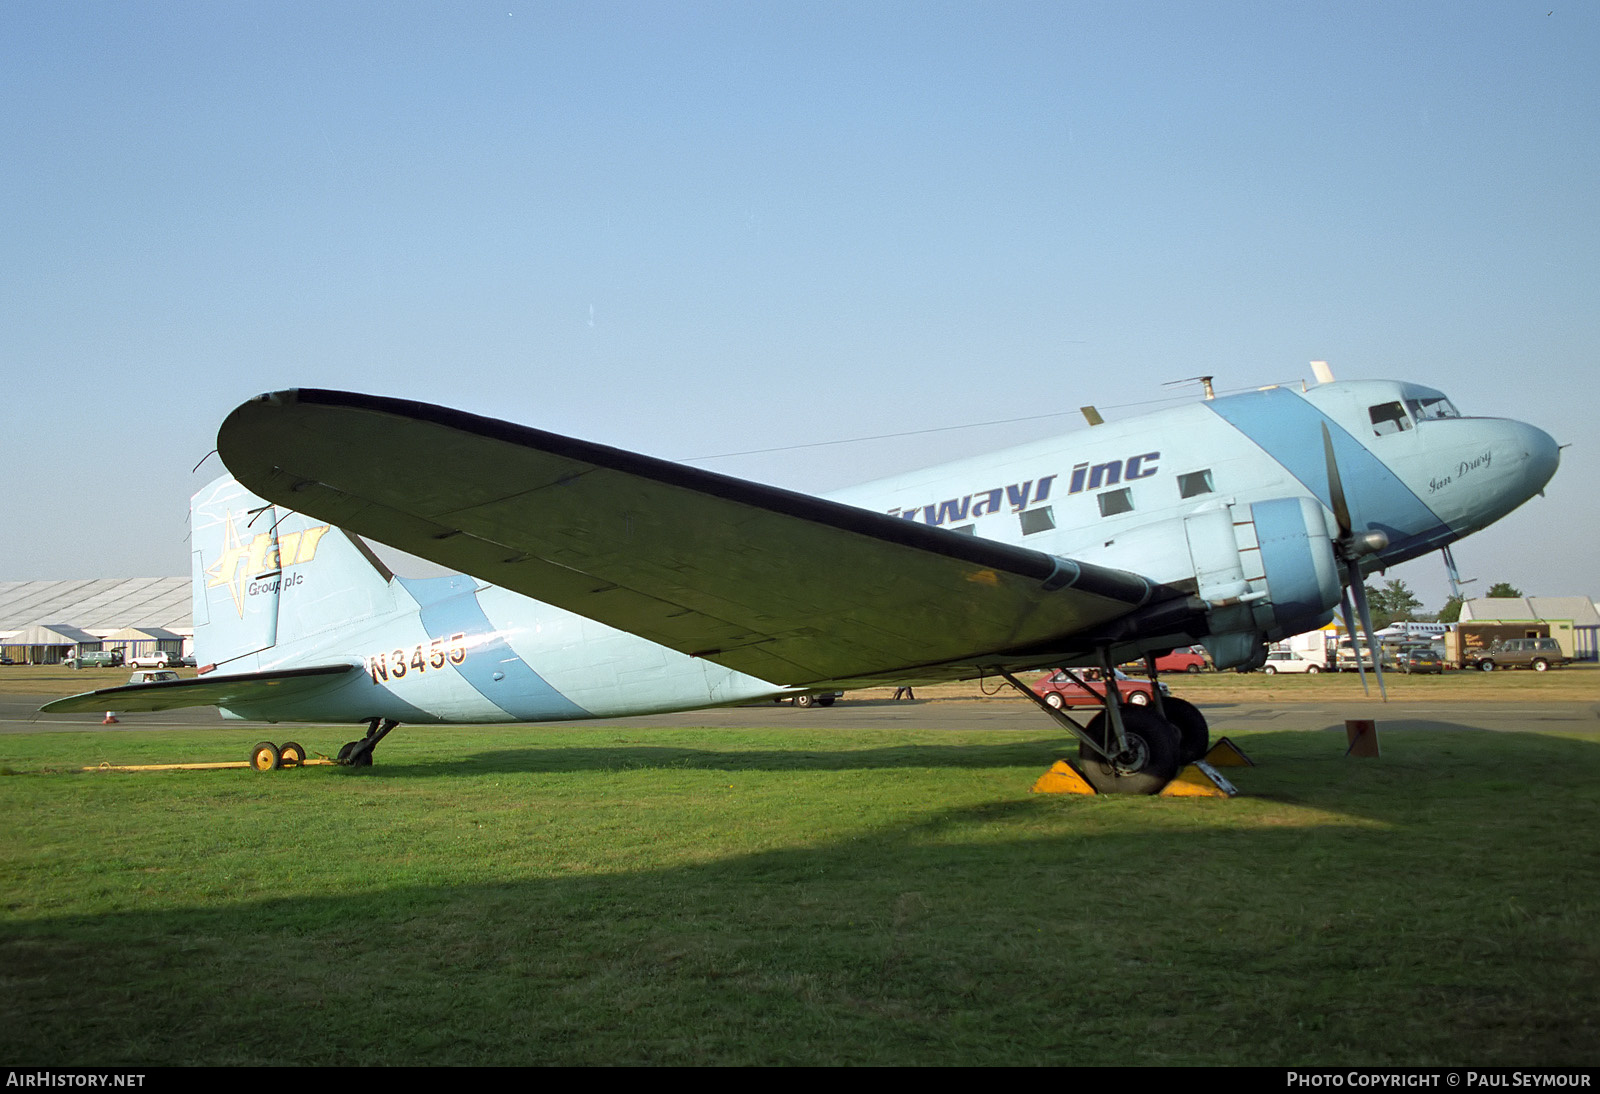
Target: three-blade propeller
x,y
1351,547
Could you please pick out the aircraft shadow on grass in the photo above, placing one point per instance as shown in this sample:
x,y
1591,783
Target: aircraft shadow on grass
x,y
1408,746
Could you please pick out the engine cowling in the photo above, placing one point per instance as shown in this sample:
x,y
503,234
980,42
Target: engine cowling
x,y
1266,571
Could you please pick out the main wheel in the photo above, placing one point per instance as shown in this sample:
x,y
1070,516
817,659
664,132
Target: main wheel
x,y
265,757
1194,735
1147,764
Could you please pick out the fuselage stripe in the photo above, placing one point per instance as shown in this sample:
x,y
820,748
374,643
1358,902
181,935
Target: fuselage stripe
x,y
1288,429
492,667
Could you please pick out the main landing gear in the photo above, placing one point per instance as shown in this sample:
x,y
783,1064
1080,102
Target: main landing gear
x,y
1126,749
359,753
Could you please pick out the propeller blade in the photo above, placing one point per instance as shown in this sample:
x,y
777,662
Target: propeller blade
x,y
1350,629
1358,589
1341,509
1351,548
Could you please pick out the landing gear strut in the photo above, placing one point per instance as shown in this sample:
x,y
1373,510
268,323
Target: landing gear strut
x,y
359,753
1130,749
1194,735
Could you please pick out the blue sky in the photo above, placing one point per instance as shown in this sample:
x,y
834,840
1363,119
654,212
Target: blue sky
x,y
701,229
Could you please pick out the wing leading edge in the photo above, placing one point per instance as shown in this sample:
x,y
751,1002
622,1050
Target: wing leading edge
x,y
784,586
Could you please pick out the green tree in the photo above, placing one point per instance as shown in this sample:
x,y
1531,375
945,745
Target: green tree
x,y
1400,601
1451,612
1393,602
1502,589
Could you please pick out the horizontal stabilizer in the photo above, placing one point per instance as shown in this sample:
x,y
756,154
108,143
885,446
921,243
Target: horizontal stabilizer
x,y
201,691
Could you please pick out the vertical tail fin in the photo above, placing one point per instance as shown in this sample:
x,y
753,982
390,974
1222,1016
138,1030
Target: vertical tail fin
x,y
267,578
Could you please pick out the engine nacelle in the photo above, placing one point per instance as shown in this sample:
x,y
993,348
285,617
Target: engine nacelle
x,y
1266,571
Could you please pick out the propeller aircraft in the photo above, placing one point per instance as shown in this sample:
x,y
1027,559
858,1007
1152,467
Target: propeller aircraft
x,y
594,582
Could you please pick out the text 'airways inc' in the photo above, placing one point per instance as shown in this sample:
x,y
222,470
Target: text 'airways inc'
x,y
1017,496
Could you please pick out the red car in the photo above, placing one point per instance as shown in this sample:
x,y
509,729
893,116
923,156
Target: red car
x,y
1188,659
1060,690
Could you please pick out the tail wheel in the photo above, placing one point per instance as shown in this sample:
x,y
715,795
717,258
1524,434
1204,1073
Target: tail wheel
x,y
354,754
292,753
266,757
1147,764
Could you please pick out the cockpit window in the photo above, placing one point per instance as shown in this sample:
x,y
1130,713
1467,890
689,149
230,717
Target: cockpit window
x,y
1431,408
1389,418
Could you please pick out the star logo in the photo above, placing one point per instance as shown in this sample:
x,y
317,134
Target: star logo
x,y
227,570
265,554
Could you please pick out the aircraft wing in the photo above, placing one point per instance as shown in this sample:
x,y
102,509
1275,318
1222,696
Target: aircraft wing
x,y
200,691
784,586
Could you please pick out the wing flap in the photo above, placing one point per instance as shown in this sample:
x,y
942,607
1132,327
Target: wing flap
x,y
784,586
199,691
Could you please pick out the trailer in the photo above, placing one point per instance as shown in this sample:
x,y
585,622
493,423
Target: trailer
x,y
1465,644
1315,646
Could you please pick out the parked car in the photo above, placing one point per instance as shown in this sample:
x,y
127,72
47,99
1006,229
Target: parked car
x,y
94,659
1421,661
153,676
1288,661
1346,659
159,660
1060,690
1537,654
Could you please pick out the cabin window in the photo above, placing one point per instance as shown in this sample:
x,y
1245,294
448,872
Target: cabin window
x,y
1037,520
1196,483
1389,418
1113,502
1431,408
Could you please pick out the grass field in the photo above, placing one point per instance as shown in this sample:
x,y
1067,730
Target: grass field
x,y
603,896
